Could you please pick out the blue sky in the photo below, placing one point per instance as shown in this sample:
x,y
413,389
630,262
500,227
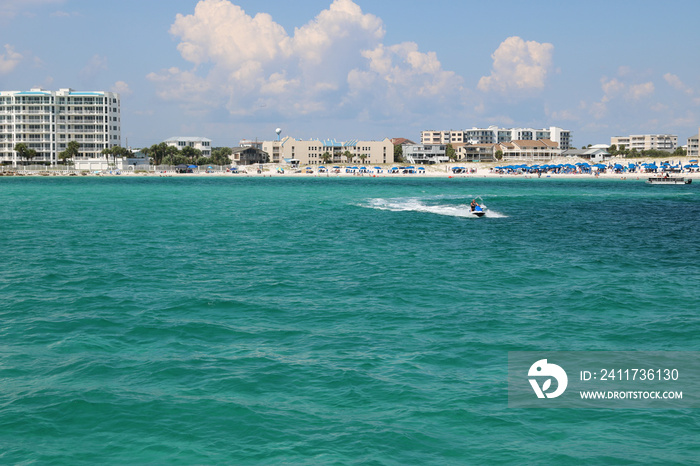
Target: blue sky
x,y
359,69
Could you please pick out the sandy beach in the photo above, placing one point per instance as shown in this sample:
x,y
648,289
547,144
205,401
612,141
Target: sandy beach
x,y
444,170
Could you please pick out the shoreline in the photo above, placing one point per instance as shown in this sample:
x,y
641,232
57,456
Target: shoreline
x,y
481,170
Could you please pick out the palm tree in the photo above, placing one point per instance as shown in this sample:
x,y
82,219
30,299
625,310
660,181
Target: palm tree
x,y
326,157
24,152
191,153
363,157
108,151
348,155
116,151
158,152
71,152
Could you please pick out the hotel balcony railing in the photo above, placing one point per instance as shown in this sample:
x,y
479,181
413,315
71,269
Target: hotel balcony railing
x,y
81,112
70,130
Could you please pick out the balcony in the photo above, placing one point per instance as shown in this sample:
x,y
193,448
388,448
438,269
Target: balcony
x,y
81,112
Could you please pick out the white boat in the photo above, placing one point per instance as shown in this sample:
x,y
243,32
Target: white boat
x,y
669,180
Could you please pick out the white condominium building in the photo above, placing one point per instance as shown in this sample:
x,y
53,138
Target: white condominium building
x,y
310,152
667,142
495,135
201,144
47,121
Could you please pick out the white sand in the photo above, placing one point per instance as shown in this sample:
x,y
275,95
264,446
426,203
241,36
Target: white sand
x,y
482,170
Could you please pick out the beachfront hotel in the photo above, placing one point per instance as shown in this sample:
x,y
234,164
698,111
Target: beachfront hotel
x,y
47,121
310,151
639,142
496,135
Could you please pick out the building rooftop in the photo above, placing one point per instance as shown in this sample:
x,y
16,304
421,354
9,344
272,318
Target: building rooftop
x,y
187,139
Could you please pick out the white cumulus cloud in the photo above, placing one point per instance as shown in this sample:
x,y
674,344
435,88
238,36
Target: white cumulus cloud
x,y
518,65
94,67
615,88
640,91
11,8
676,83
9,60
620,90
122,88
248,63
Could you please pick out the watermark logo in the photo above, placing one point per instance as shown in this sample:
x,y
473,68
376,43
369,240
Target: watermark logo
x,y
544,369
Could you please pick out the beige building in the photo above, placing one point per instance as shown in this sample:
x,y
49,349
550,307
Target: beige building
x,y
694,145
667,142
543,149
310,152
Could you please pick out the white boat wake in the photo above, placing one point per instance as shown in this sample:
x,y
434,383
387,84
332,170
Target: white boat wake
x,y
433,206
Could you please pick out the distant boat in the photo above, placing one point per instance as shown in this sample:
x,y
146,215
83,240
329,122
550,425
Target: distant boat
x,y
669,180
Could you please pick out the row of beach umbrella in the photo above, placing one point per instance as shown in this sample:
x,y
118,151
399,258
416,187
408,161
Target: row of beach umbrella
x,y
583,167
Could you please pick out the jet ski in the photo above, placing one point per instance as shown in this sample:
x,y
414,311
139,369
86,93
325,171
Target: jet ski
x,y
478,211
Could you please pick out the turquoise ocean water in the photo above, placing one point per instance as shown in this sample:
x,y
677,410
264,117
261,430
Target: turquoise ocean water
x,y
316,321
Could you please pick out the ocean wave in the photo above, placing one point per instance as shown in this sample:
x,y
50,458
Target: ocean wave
x,y
427,205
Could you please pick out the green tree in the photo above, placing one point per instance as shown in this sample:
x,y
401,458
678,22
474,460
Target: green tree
x,y
363,157
450,152
348,155
191,153
174,158
499,154
71,152
24,152
679,152
116,152
398,153
221,156
326,157
108,152
158,152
